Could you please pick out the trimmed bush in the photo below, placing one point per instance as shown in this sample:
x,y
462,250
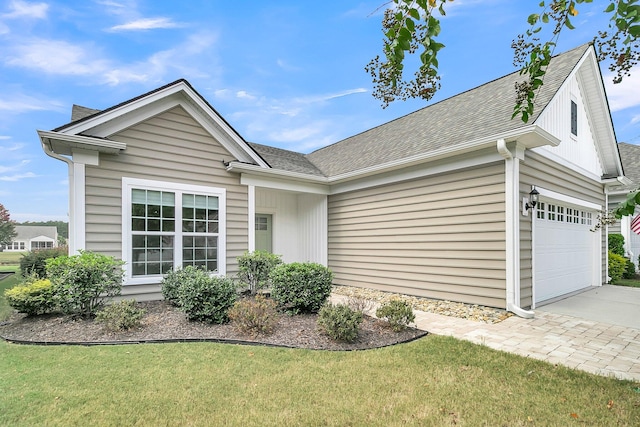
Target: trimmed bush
x,y
121,316
616,244
34,262
254,268
630,270
170,284
301,287
255,316
339,322
33,297
617,266
206,299
398,313
83,282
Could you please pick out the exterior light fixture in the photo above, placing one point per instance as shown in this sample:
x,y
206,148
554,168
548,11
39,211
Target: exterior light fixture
x,y
533,199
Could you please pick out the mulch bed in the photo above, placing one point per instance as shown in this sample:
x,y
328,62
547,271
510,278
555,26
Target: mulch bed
x,y
165,323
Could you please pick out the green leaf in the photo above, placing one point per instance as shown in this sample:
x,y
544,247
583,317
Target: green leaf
x,y
410,24
568,24
610,8
533,18
541,4
635,31
545,18
413,12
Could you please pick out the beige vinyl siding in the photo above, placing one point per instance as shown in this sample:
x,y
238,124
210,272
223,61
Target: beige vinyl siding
x,y
169,147
542,172
440,237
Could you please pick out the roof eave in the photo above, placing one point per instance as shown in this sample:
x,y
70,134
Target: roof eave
x,y
240,167
64,144
530,136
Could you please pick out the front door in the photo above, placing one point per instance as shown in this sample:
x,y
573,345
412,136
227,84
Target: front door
x,y
264,235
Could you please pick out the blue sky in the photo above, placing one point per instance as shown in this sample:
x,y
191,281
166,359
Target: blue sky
x,y
283,73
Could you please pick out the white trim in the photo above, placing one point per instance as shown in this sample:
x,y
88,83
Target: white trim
x,y
282,184
130,183
62,143
251,193
544,152
179,94
544,193
78,209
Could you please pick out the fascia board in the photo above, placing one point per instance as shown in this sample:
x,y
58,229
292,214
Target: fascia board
x,y
530,136
64,144
181,94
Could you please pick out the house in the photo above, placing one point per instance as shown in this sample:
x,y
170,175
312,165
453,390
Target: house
x,y
33,237
434,204
630,156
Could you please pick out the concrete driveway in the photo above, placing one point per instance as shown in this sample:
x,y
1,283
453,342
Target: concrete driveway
x,y
615,305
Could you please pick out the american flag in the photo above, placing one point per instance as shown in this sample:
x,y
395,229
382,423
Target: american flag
x,y
635,224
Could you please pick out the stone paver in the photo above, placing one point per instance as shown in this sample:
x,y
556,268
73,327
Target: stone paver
x,y
591,346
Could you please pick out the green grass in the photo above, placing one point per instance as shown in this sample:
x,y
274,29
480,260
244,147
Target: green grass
x,y
633,283
435,381
5,309
10,261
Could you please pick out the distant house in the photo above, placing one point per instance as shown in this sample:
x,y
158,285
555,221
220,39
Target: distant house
x,y
630,156
435,204
33,237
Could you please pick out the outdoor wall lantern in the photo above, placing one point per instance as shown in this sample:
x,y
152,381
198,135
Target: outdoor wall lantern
x,y
533,199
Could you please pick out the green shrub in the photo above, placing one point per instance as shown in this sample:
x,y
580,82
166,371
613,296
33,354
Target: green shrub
x,y
255,316
83,282
121,316
616,244
339,322
34,262
254,268
630,270
398,313
170,284
617,266
33,297
206,299
301,287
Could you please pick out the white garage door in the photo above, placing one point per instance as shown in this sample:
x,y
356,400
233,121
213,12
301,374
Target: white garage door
x,y
566,251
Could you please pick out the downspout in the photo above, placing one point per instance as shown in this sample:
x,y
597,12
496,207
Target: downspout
x,y
512,223
69,162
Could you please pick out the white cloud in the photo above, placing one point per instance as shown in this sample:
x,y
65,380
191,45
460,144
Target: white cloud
x,y
635,119
6,169
59,57
625,94
20,103
145,24
23,9
2,137
244,95
56,57
17,177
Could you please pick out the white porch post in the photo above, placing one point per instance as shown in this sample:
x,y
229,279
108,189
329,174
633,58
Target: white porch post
x,y
251,191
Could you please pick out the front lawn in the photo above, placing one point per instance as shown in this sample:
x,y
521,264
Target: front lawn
x,y
9,282
433,381
10,261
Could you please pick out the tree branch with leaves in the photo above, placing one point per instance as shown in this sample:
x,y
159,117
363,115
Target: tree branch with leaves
x,y
7,227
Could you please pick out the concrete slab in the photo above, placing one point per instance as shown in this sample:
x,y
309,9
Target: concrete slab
x,y
615,305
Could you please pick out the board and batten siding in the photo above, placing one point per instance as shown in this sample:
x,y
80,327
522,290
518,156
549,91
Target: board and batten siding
x,y
439,237
299,224
169,147
544,173
578,149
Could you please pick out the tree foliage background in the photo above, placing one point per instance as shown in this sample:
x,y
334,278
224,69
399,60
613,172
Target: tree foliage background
x,y
7,227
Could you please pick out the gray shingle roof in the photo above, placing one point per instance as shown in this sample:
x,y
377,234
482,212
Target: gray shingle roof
x,y
28,232
79,112
481,112
630,156
286,160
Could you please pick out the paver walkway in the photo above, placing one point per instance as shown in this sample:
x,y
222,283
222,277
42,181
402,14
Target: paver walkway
x,y
591,346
